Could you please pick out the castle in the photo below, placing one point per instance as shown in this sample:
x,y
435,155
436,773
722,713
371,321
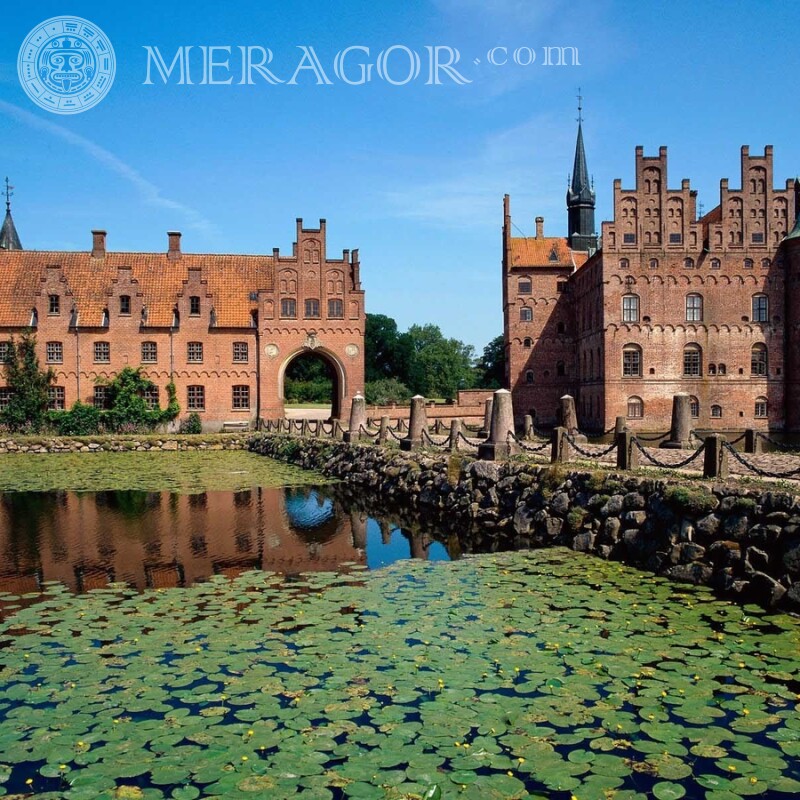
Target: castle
x,y
222,328
664,302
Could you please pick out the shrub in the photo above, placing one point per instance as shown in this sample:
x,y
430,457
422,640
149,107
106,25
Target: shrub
x,y
26,411
576,518
386,391
80,420
192,424
691,499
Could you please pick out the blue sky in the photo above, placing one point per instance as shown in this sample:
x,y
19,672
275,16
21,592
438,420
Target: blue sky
x,y
413,175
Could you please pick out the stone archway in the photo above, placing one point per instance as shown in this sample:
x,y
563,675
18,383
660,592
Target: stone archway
x,y
336,371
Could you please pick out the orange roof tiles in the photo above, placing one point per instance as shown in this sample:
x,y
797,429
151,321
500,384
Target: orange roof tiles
x,y
544,251
229,279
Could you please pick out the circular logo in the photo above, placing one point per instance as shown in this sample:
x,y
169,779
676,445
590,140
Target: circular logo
x,y
66,65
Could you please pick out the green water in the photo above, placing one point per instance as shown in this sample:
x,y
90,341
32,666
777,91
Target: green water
x,y
193,471
544,674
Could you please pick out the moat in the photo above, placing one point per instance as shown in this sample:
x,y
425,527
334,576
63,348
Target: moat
x,y
229,640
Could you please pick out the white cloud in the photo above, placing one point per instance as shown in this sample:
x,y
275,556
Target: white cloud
x,y
148,191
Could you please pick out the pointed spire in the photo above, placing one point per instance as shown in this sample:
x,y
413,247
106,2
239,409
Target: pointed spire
x,y
795,232
9,240
580,195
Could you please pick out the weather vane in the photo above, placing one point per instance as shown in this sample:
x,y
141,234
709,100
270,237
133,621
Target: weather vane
x,y
580,106
9,193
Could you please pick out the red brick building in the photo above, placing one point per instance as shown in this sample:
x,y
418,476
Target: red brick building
x,y
223,328
664,302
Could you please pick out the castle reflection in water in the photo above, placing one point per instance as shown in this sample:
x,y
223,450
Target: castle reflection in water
x,y
159,539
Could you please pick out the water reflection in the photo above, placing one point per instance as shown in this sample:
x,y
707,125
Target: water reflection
x,y
87,540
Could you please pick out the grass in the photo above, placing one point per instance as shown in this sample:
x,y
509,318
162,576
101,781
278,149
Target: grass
x,y
186,472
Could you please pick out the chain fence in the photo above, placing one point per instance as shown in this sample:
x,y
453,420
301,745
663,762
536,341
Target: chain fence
x,y
762,473
666,464
787,448
528,448
589,453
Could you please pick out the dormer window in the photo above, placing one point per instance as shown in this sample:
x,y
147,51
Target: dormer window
x,y
53,304
194,306
104,320
34,318
125,304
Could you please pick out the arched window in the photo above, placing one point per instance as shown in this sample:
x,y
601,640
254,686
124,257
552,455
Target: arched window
x,y
715,263
529,376
692,361
653,263
526,314
761,407
527,342
688,263
635,408
760,308
758,359
716,411
631,361
624,263
525,286
765,263
630,308
748,263
722,369
712,369
694,407
694,307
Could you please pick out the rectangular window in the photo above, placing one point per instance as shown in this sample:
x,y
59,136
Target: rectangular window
x,y
151,397
55,398
761,408
241,352
760,308
241,398
335,309
630,308
691,363
194,352
55,353
525,287
632,363
149,352
125,304
288,308
102,352
196,398
194,306
5,349
312,309
694,308
53,304
101,398
561,286
5,397
629,238
758,238
675,238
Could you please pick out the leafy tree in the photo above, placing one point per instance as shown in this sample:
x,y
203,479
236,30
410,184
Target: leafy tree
x,y
385,351
27,406
438,367
81,420
308,379
386,391
491,367
128,406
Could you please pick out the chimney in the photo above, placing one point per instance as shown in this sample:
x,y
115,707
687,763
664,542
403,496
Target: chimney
x,y
174,238
539,227
98,244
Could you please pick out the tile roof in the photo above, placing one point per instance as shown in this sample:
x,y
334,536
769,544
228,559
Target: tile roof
x,y
229,280
544,251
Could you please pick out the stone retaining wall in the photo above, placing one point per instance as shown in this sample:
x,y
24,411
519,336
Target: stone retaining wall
x,y
743,542
117,444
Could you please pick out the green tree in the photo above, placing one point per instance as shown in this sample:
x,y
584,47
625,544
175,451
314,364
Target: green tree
x,y
438,367
27,405
385,391
491,367
128,405
385,351
308,379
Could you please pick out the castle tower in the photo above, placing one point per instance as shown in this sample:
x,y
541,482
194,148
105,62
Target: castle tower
x,y
791,252
9,240
580,198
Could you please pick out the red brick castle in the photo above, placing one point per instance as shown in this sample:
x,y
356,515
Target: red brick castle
x,y
223,328
664,302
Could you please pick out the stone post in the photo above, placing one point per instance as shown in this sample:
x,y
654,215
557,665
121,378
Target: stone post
x,y
483,433
338,432
528,427
499,444
455,434
416,424
620,424
304,428
569,418
752,441
681,428
560,450
358,419
383,432
715,463
627,454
